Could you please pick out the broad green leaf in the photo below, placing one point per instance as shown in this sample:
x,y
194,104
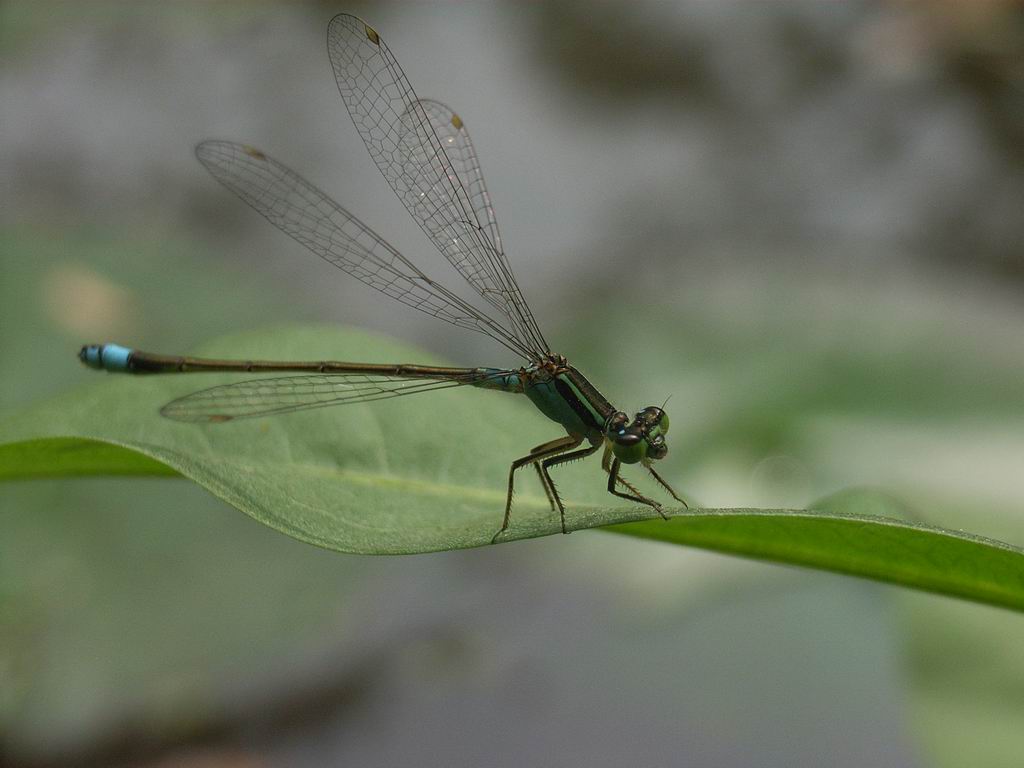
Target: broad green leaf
x,y
427,473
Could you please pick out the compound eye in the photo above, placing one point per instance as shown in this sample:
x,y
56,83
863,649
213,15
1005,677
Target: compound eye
x,y
650,415
657,448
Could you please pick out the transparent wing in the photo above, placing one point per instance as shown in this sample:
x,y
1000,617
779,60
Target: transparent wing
x,y
451,131
305,213
284,394
402,140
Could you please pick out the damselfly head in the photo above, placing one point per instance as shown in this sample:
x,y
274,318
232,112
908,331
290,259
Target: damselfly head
x,y
640,440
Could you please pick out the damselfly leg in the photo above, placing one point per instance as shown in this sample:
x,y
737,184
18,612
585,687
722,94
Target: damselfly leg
x,y
538,454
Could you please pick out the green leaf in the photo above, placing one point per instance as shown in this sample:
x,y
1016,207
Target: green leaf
x,y
909,554
74,456
427,473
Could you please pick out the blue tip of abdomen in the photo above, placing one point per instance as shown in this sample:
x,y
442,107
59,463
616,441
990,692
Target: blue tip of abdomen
x,y
106,357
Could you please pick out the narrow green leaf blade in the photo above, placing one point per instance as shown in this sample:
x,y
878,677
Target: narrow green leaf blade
x,y
73,456
909,554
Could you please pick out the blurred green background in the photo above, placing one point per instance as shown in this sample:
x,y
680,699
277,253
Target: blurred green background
x,y
801,220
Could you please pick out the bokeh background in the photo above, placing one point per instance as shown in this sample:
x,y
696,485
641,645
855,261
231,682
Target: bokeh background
x,y
801,220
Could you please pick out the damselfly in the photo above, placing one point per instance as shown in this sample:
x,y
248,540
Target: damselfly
x,y
425,153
